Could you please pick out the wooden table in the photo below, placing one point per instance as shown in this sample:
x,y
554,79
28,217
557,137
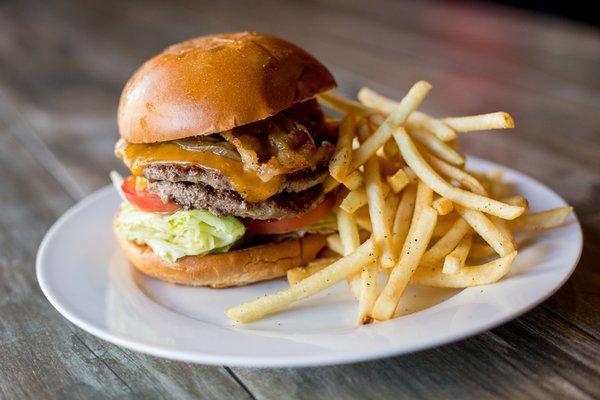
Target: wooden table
x,y
62,67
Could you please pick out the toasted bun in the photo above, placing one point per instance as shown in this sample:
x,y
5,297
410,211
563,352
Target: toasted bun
x,y
214,83
234,268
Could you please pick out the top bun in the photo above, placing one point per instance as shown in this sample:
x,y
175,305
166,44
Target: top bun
x,y
214,83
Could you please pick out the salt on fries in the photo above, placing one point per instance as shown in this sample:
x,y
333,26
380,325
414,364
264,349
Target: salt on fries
x,y
411,209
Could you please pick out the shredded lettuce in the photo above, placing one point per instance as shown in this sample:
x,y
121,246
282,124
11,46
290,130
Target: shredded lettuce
x,y
183,233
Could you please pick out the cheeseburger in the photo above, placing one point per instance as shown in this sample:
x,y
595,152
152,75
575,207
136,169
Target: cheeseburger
x,y
228,151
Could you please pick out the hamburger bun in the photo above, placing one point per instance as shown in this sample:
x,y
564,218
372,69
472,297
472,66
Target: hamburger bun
x,y
234,268
214,83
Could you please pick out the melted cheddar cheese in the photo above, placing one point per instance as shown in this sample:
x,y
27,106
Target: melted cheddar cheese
x,y
245,182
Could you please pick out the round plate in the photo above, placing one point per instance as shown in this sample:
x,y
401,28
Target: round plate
x,y
85,276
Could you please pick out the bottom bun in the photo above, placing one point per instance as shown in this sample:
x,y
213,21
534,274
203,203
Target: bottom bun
x,y
234,268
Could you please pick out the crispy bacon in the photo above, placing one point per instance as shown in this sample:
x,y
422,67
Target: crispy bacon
x,y
287,142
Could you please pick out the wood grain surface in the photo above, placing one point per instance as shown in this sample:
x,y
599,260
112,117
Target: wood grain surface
x,y
62,67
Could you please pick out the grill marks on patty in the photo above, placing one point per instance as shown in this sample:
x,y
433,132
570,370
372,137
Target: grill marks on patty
x,y
228,202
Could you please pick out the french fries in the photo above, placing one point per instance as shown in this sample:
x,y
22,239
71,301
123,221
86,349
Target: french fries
x,y
325,278
468,276
467,199
541,220
407,184
483,122
416,119
340,161
416,242
397,117
457,257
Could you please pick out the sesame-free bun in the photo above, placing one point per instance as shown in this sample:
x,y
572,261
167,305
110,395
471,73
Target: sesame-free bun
x,y
214,83
234,268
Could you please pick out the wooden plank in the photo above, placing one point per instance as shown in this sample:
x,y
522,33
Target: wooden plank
x,y
509,362
49,357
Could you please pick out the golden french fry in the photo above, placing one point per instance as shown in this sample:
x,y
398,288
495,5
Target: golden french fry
x,y
420,167
408,104
368,293
442,205
410,174
541,220
297,274
364,222
344,105
423,199
398,181
416,119
487,230
377,213
348,231
353,180
497,120
358,198
450,171
446,243
339,270
454,261
437,147
402,218
517,200
330,184
416,242
338,166
468,276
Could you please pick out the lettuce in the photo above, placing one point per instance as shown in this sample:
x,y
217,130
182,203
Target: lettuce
x,y
183,233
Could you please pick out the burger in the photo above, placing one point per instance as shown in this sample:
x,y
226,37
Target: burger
x,y
228,152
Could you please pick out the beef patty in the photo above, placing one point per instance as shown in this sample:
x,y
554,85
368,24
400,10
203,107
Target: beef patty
x,y
294,182
228,202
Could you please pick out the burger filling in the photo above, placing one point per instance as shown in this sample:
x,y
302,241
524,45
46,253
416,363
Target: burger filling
x,y
266,176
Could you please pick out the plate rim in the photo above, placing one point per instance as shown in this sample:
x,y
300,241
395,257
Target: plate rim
x,y
279,361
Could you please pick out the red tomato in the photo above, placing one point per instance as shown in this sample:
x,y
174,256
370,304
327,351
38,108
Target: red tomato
x,y
275,226
144,200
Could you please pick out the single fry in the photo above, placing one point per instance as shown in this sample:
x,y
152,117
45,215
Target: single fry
x,y
437,147
397,118
377,212
483,122
424,199
353,181
344,105
354,200
297,274
442,205
402,218
468,276
417,119
398,181
541,220
461,176
341,269
517,200
340,161
416,242
418,164
446,243
455,261
368,293
348,232
494,236
330,184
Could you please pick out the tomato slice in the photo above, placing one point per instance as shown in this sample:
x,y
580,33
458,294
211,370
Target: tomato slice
x,y
144,200
274,226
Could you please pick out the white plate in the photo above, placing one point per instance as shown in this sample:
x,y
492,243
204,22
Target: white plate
x,y
88,280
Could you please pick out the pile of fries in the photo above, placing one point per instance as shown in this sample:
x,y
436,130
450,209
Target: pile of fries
x,y
408,209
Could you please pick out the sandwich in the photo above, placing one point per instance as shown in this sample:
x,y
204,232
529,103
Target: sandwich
x,y
228,152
